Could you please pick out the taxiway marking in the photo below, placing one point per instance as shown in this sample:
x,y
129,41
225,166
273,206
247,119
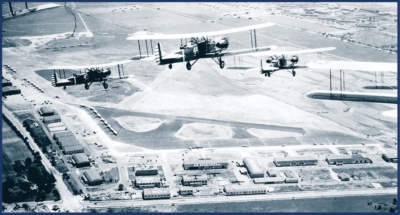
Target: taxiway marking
x,y
87,29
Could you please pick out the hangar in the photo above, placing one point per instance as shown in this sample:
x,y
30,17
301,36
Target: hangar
x,y
390,157
253,168
81,160
189,180
10,90
52,119
62,134
146,171
46,111
69,150
273,180
147,182
92,177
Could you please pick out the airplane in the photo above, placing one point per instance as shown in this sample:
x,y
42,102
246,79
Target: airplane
x,y
92,73
279,60
200,46
354,96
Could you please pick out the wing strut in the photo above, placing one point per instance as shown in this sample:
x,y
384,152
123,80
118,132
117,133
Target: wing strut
x,y
119,72
330,82
140,52
59,72
147,49
251,38
255,39
123,72
151,43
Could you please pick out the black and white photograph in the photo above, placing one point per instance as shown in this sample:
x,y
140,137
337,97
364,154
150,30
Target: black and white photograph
x,y
199,107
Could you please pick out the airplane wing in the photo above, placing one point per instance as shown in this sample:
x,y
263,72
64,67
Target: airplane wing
x,y
271,53
353,65
91,66
354,96
143,57
245,51
160,36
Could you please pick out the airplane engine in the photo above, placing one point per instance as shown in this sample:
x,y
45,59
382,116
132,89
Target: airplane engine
x,y
223,43
294,59
269,59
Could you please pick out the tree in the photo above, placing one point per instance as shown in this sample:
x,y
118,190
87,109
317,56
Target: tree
x,y
25,206
120,187
28,162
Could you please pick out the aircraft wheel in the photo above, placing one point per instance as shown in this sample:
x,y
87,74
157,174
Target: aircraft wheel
x,y
65,87
294,73
86,86
170,66
105,86
188,66
221,64
269,74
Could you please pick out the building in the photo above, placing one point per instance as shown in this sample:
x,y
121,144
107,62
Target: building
x,y
347,159
390,157
295,161
147,182
46,111
231,190
62,134
361,25
369,10
81,160
185,191
67,141
205,164
253,168
344,177
273,180
57,129
292,180
189,180
146,171
54,125
92,177
272,173
11,90
156,193
6,83
69,150
52,119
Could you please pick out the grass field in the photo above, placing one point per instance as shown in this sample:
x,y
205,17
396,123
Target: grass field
x,y
13,149
314,175
111,175
384,172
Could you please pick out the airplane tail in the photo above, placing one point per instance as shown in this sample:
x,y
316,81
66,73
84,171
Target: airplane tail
x,y
158,54
54,79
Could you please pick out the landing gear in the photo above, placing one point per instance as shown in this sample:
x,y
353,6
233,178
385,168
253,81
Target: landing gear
x,y
105,85
221,64
65,87
170,66
269,74
86,86
294,73
188,66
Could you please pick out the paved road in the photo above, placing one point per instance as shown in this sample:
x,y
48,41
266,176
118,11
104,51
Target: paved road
x,y
214,199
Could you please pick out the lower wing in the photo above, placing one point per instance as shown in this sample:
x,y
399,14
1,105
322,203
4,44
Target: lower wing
x,y
354,96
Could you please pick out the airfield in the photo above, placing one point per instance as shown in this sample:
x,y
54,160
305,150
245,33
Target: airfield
x,y
175,114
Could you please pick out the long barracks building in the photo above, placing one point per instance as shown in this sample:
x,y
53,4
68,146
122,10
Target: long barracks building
x,y
205,164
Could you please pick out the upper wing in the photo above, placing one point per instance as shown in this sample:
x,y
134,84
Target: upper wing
x,y
350,65
161,36
91,66
270,53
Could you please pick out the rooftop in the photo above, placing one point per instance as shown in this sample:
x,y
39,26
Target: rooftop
x,y
63,134
46,109
296,158
92,175
147,179
73,148
252,166
157,191
273,179
80,158
192,177
47,118
241,188
204,161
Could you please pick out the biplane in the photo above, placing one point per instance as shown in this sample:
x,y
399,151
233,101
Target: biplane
x,y
91,74
283,60
201,45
